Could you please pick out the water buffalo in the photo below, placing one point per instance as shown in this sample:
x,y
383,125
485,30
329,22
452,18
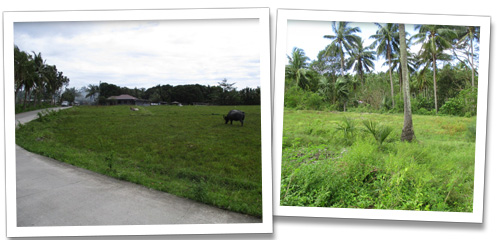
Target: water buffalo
x,y
235,115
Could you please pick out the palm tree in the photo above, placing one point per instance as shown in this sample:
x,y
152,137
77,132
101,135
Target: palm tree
x,y
92,91
326,89
466,37
435,39
41,78
396,65
343,40
342,90
387,43
23,70
407,133
361,59
297,66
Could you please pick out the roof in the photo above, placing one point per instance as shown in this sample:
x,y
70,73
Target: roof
x,y
123,97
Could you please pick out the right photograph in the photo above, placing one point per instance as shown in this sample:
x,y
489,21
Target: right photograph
x,y
380,112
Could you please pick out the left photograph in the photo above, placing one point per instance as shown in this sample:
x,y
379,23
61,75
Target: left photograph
x,y
138,122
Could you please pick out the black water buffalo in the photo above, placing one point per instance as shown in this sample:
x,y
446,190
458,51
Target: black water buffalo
x,y
235,115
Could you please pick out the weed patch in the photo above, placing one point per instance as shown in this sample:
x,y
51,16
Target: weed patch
x,y
435,173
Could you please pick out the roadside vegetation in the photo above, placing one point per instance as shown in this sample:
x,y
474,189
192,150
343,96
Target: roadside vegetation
x,y
402,138
186,151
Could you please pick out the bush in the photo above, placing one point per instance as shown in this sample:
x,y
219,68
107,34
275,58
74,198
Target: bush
x,y
296,97
423,111
421,102
464,104
453,106
47,115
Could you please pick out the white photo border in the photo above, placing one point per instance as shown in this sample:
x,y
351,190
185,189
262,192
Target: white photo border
x,y
283,15
262,14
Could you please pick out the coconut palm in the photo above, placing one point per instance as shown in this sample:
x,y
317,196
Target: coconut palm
x,y
434,39
297,67
361,59
342,90
396,65
23,71
343,40
326,89
41,76
93,90
386,43
466,37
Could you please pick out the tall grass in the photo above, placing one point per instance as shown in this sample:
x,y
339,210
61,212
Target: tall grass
x,y
435,173
187,151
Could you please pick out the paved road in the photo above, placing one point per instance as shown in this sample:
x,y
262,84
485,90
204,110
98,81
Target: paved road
x,y
52,193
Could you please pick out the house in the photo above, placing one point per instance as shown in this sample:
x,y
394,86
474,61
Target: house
x,y
126,99
177,103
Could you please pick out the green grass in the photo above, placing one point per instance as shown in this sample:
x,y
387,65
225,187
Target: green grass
x,y
319,168
187,151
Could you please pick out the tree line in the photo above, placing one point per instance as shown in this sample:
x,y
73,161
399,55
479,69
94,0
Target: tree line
x,y
223,94
38,84
35,81
442,74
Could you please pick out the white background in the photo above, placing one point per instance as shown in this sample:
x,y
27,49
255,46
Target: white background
x,y
322,228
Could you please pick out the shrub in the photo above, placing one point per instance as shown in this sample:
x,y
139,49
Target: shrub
x,y
453,106
464,104
422,102
47,115
423,111
296,97
313,101
293,97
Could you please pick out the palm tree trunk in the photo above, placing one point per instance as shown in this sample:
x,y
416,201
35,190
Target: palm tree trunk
x,y
400,81
390,77
407,134
472,60
15,94
342,63
435,85
25,96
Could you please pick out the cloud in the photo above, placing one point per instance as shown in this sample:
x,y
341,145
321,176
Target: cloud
x,y
148,53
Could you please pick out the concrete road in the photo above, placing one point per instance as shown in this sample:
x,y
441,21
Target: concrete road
x,y
28,116
52,193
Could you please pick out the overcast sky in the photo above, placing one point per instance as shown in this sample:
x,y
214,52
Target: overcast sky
x,y
308,35
144,54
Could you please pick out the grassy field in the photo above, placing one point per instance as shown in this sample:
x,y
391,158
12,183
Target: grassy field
x,y
330,159
187,151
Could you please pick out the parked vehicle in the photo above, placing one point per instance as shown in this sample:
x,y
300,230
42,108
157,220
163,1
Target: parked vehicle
x,y
64,104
